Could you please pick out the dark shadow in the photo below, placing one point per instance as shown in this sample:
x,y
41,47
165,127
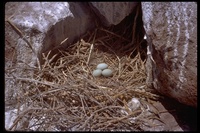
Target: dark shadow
x,y
186,116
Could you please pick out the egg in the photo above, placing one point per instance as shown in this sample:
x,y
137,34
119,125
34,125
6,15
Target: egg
x,y
102,66
97,72
107,72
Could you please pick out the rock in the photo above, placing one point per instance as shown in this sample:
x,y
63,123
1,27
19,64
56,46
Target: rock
x,y
171,29
165,122
46,25
112,13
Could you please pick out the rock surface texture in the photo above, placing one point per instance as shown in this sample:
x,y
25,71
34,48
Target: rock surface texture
x,y
171,29
46,24
112,13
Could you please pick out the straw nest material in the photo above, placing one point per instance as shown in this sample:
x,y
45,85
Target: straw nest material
x,y
64,95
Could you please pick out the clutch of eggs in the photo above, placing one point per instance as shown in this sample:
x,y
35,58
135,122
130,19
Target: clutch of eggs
x,y
102,69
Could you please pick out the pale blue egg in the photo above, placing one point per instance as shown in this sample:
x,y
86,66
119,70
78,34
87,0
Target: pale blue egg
x,y
102,66
107,72
97,72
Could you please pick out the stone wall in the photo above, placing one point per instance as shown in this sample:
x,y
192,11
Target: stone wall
x,y
171,28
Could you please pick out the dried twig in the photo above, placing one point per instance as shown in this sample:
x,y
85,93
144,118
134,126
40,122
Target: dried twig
x,y
91,48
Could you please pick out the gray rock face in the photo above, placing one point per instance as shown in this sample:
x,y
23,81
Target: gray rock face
x,y
167,123
171,28
113,12
45,24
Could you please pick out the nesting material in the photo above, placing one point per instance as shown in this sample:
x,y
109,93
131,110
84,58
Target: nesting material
x,y
66,95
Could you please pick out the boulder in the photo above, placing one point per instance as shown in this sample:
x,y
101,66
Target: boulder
x,y
45,25
112,13
171,30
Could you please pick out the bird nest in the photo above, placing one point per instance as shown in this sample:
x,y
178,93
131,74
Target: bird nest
x,y
64,95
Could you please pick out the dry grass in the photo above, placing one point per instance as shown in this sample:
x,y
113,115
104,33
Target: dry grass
x,y
65,95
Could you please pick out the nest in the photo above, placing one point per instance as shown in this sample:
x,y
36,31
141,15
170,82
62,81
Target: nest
x,y
63,95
